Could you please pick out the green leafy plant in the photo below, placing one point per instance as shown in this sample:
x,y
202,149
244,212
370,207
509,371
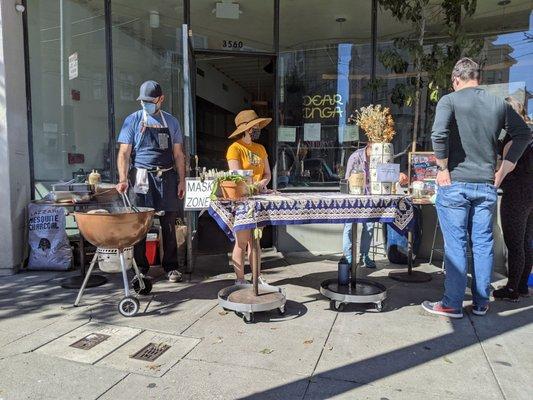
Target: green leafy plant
x,y
252,189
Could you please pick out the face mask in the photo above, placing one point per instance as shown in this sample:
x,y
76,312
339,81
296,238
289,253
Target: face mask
x,y
149,108
255,134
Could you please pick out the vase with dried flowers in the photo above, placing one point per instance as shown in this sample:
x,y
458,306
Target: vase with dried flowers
x,y
377,123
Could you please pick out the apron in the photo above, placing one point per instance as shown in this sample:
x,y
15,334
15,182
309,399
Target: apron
x,y
155,148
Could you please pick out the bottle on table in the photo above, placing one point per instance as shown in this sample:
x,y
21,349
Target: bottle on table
x,y
356,180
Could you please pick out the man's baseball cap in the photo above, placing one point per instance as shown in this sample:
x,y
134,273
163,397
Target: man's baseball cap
x,y
149,91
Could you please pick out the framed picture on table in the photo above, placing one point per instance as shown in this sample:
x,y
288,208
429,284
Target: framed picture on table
x,y
422,174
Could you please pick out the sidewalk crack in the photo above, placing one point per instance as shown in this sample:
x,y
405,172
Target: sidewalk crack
x,y
487,357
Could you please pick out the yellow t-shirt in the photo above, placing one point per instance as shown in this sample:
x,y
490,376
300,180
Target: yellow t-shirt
x,y
250,156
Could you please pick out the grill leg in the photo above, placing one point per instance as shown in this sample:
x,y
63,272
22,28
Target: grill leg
x,y
124,274
86,279
139,275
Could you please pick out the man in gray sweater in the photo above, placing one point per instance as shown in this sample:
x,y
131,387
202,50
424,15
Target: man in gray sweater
x,y
465,139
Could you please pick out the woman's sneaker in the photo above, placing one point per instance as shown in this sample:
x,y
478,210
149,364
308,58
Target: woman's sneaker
x,y
438,309
241,282
367,262
480,310
506,293
174,276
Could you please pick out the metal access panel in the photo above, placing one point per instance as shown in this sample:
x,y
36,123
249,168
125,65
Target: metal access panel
x,y
89,341
151,352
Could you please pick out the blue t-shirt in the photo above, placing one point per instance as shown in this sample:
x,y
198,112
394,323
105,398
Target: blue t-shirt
x,y
131,129
149,157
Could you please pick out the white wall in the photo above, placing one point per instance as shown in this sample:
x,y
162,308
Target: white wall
x,y
14,157
209,87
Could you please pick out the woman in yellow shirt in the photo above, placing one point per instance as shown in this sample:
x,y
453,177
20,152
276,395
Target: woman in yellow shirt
x,y
245,154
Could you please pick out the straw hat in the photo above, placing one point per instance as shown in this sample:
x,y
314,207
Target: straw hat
x,y
247,119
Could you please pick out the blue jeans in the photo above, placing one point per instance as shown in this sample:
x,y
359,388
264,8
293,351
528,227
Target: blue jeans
x,y
366,238
465,212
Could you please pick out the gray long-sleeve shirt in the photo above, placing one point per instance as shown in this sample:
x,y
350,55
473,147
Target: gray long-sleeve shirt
x,y
466,129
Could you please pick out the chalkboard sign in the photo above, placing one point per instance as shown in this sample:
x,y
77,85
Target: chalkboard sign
x,y
423,170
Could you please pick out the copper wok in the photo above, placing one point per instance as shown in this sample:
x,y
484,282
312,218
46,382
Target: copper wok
x,y
117,230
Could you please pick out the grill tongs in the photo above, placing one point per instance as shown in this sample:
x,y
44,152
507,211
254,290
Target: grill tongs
x,y
127,203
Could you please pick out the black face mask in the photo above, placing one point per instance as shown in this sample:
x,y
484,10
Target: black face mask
x,y
256,133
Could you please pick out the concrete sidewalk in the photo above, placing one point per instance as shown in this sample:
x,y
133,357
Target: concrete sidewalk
x,y
309,353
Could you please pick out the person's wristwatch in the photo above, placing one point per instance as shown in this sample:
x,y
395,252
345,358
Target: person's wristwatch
x,y
442,168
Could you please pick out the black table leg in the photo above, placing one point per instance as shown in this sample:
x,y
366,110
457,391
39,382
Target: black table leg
x,y
410,275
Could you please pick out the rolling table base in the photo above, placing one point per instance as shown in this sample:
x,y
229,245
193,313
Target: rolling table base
x,y
410,276
242,300
75,282
360,291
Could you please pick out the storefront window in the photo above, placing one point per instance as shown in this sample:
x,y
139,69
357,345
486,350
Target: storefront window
x,y
68,83
325,68
146,46
246,25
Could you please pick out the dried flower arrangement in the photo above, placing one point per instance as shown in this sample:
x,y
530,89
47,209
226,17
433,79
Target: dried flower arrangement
x,y
376,121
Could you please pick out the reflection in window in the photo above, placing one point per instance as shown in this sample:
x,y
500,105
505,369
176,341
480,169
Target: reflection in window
x,y
146,46
68,83
324,77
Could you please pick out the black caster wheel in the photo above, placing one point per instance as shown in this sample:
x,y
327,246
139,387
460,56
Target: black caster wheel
x,y
379,307
336,305
248,318
128,306
281,310
147,286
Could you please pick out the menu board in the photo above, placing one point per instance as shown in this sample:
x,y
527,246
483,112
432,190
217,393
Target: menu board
x,y
423,170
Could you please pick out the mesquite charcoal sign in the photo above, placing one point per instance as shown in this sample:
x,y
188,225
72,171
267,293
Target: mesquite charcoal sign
x,y
49,245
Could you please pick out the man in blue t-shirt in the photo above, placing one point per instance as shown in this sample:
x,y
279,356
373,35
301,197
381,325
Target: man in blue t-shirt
x,y
151,138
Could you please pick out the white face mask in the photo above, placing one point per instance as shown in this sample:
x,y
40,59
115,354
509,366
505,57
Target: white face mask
x,y
149,108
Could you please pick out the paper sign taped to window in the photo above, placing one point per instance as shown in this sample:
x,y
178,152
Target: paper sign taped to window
x,y
388,172
348,133
286,134
312,132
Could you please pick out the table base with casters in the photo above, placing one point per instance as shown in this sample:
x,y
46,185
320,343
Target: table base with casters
x,y
248,299
359,291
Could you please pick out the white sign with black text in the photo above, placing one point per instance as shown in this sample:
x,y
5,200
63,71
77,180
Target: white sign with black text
x,y
197,193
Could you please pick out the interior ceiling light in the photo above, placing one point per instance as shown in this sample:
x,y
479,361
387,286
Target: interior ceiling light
x,y
227,9
504,2
340,19
154,19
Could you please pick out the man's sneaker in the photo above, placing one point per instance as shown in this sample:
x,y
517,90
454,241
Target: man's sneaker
x,y
261,280
506,293
438,309
366,261
174,276
480,310
524,292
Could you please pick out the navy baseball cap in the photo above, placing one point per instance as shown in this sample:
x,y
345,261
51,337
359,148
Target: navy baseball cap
x,y
149,91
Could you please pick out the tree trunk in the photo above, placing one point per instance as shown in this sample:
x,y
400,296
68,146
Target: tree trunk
x,y
418,67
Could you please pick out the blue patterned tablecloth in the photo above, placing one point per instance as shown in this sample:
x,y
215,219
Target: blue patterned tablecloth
x,y
312,208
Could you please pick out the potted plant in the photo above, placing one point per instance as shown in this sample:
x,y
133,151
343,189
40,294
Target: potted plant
x,y
377,123
232,187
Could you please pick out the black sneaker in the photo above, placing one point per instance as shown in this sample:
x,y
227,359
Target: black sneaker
x,y
506,293
174,276
523,292
480,310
